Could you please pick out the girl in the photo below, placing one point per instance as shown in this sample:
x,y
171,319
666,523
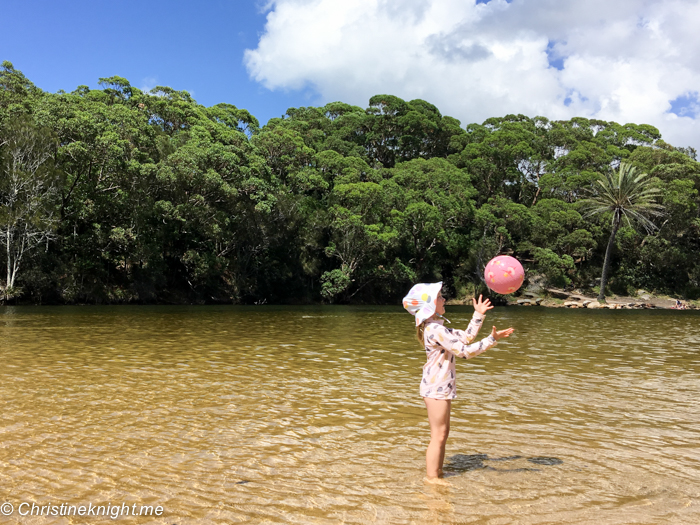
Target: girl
x,y
442,345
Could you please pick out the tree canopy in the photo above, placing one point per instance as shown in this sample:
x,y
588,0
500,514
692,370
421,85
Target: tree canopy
x,y
151,197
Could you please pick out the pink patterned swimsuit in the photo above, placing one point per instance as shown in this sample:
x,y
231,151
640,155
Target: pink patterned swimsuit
x,y
442,345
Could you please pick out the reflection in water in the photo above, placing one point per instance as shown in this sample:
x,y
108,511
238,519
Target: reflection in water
x,y
466,462
312,415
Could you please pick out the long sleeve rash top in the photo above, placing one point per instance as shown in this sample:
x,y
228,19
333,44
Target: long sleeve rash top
x,y
442,345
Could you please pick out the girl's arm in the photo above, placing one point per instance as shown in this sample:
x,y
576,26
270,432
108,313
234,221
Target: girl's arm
x,y
448,340
480,308
467,351
468,335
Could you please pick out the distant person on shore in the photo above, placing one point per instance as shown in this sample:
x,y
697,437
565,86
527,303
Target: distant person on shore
x,y
679,305
442,345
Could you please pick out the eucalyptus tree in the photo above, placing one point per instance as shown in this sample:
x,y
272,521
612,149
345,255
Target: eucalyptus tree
x,y
358,236
17,94
154,197
506,156
29,188
106,154
627,195
432,210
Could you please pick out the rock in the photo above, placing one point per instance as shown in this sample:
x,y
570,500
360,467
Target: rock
x,y
594,305
524,302
538,301
571,304
644,297
586,303
535,284
557,293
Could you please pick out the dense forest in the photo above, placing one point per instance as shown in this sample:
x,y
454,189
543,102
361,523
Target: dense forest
x,y
117,195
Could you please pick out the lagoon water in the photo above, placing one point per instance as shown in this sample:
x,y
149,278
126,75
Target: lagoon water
x,y
311,415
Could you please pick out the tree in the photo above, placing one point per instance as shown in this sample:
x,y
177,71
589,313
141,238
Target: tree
x,y
29,188
627,195
153,197
17,93
432,209
357,235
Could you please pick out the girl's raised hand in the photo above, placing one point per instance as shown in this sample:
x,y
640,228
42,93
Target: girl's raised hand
x,y
481,306
500,334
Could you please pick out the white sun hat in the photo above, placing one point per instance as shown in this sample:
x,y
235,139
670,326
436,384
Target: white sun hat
x,y
421,301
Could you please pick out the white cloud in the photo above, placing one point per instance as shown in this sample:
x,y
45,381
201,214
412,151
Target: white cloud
x,y
623,60
148,84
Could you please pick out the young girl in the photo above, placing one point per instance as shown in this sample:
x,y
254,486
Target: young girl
x,y
442,346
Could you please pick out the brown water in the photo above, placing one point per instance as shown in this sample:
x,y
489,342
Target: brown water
x,y
312,415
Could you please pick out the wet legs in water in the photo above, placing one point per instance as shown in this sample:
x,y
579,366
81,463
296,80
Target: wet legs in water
x,y
439,419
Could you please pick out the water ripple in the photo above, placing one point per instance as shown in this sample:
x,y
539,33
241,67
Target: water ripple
x,y
312,415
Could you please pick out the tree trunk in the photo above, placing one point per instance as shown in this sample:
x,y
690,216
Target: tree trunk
x,y
608,253
9,260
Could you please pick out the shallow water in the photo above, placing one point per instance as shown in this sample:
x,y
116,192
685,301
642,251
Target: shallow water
x,y
312,415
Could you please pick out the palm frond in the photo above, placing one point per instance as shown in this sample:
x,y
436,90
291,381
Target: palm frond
x,y
627,193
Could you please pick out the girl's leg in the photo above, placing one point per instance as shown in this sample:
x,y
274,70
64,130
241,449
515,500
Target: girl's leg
x,y
439,419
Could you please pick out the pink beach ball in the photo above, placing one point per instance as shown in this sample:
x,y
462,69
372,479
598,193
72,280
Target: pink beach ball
x,y
504,274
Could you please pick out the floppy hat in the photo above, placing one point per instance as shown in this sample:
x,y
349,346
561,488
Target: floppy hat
x,y
421,301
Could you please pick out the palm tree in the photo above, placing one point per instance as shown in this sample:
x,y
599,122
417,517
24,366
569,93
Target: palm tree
x,y
626,194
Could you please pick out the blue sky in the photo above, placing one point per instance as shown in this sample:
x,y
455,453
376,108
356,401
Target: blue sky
x,y
193,46
624,61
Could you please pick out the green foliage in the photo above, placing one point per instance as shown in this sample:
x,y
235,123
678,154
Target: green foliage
x,y
627,195
152,197
555,268
335,282
29,186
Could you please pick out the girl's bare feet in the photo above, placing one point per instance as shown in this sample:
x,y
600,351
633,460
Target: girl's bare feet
x,y
437,481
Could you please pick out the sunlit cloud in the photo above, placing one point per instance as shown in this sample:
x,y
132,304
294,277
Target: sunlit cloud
x,y
627,61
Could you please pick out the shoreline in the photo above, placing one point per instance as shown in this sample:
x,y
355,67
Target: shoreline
x,y
548,298
558,298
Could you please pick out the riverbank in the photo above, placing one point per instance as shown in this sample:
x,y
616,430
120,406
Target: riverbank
x,y
558,298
